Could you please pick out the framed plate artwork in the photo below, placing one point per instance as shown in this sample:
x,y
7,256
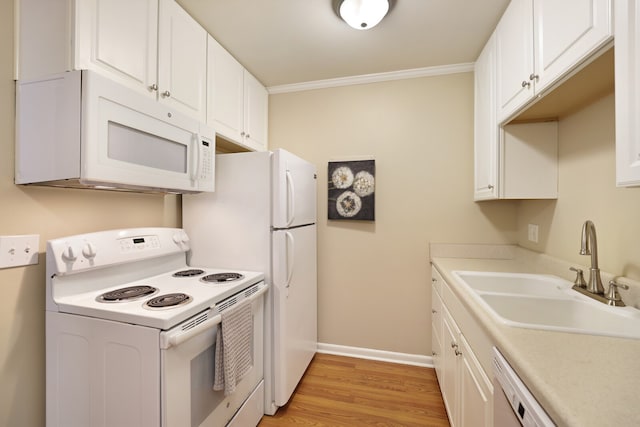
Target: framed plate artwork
x,y
351,192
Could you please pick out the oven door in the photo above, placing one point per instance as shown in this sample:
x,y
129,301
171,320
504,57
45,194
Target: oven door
x,y
187,372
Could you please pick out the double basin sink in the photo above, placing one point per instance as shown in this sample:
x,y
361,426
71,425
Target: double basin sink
x,y
547,302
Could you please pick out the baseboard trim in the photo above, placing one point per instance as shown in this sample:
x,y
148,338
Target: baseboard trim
x,y
380,355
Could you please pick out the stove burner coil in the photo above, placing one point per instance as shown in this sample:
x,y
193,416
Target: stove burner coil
x,y
127,294
222,277
188,273
168,301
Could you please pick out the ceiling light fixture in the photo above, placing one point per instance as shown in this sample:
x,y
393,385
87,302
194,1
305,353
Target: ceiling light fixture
x,y
362,14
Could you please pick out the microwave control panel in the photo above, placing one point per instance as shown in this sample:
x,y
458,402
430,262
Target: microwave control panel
x,y
207,158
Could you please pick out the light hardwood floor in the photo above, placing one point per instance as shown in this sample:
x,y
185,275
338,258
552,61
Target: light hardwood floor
x,y
342,391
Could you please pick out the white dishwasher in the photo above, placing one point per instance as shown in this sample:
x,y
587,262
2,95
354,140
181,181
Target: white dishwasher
x,y
513,404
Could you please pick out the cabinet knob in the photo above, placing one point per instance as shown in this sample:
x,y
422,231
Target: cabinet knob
x,y
434,311
490,187
166,94
458,352
242,134
153,87
454,345
533,76
248,136
526,84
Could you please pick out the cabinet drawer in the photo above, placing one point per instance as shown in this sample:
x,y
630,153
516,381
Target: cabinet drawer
x,y
475,335
436,280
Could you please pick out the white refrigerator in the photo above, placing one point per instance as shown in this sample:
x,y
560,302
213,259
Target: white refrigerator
x,y
262,217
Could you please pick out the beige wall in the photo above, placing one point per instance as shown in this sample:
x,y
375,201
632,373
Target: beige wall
x,y
374,277
50,213
586,187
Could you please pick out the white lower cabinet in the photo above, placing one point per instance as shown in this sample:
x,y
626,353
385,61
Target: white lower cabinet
x,y
466,388
436,331
449,386
476,390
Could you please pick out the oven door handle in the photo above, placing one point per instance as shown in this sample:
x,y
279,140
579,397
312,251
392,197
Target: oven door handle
x,y
167,342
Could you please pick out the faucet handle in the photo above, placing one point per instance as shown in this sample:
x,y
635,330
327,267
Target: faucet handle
x,y
579,281
613,296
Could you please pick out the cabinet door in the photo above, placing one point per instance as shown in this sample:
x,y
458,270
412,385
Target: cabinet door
x,y
476,390
256,106
566,33
225,92
120,45
182,63
514,56
486,136
436,333
449,385
627,75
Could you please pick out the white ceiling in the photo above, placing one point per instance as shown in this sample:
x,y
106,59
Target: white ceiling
x,y
295,41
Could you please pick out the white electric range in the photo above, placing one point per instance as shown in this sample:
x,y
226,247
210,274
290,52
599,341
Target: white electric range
x,y
131,333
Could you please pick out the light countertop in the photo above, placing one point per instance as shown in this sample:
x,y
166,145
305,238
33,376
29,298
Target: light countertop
x,y
580,380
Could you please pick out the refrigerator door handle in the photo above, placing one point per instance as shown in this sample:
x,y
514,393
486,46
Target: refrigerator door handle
x,y
290,251
291,202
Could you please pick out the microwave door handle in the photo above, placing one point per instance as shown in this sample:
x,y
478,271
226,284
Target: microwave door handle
x,y
196,156
291,202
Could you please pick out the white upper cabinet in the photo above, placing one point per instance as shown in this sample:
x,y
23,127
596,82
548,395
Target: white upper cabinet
x,y
627,75
256,111
567,33
486,135
152,46
517,161
514,55
121,45
541,41
182,61
225,89
237,103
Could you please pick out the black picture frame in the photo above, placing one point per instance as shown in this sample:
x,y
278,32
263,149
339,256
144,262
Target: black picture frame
x,y
351,190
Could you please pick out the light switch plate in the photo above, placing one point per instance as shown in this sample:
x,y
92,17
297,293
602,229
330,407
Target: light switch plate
x,y
20,250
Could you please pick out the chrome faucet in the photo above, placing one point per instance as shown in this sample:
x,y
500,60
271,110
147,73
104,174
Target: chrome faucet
x,y
589,246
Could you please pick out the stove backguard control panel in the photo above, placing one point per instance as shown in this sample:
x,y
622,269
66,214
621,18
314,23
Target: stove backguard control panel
x,y
105,248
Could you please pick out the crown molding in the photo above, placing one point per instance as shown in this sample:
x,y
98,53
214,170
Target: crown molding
x,y
372,78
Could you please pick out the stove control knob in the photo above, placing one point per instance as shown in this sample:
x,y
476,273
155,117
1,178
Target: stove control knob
x,y
69,254
89,251
181,238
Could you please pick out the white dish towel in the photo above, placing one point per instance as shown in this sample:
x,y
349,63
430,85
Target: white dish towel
x,y
234,340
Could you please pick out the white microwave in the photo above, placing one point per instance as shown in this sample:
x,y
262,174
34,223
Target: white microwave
x,y
81,130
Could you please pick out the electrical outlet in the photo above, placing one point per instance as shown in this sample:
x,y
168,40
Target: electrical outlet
x,y
19,250
533,233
